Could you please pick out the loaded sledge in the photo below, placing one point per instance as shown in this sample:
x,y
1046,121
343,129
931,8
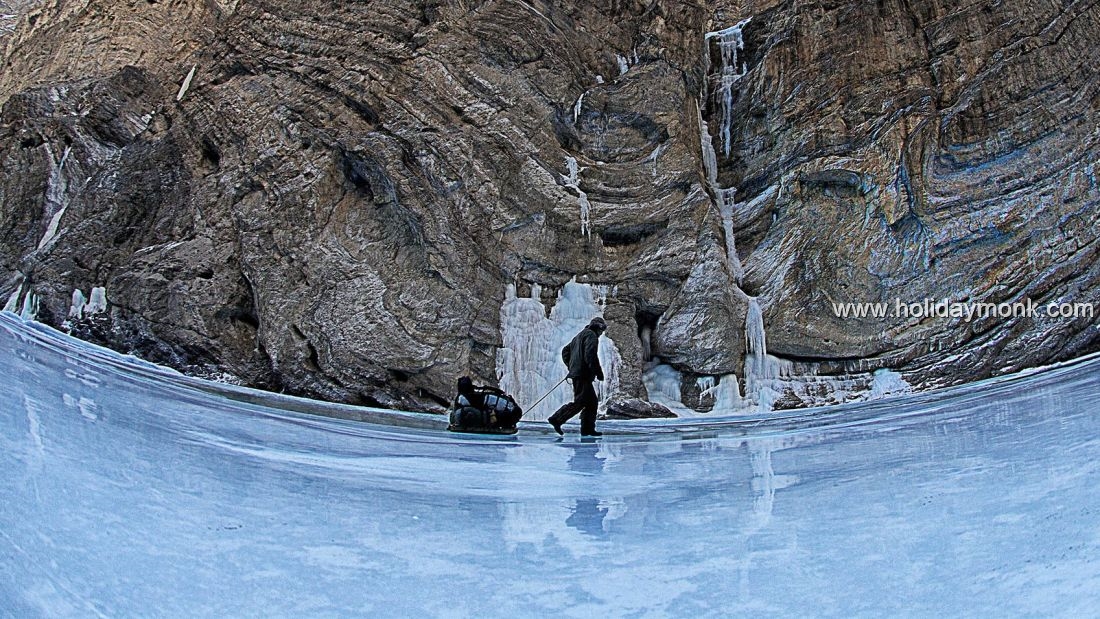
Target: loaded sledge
x,y
483,410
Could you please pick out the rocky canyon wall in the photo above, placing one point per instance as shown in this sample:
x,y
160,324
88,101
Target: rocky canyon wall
x,y
331,200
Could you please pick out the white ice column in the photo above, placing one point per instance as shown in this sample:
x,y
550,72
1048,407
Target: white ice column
x,y
725,209
724,198
730,41
55,198
762,371
97,303
573,181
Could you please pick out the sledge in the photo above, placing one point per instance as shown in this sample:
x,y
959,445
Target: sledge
x,y
472,430
484,410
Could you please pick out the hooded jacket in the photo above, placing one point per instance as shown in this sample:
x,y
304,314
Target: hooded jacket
x,y
582,356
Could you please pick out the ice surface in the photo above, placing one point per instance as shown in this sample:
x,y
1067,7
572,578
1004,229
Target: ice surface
x,y
128,491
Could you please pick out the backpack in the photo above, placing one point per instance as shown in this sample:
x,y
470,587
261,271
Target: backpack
x,y
466,415
486,409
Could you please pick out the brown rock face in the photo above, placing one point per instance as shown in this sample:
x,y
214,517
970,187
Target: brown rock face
x,y
332,202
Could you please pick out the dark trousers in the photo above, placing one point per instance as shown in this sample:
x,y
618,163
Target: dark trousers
x,y
584,402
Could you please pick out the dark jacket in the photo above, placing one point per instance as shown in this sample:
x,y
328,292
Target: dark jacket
x,y
582,356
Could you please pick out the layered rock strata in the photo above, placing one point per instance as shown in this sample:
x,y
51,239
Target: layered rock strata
x,y
332,202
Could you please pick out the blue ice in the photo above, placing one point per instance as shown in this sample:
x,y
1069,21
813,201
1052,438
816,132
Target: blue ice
x,y
129,491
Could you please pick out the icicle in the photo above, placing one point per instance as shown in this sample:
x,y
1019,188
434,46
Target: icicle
x,y
76,310
706,385
710,159
577,107
730,41
55,198
662,385
725,208
727,396
186,83
762,371
574,171
646,336
623,66
755,339
602,292
653,157
725,198
573,181
30,306
97,303
13,300
586,210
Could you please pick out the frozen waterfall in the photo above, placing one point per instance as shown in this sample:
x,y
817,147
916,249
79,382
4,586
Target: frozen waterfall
x,y
573,181
529,363
730,41
724,198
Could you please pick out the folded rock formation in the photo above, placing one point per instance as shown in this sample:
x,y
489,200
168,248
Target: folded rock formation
x,y
332,200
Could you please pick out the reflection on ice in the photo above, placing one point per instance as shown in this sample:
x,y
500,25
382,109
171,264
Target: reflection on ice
x,y
130,491
765,482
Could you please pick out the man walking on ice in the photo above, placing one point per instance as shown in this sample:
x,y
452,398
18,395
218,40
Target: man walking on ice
x,y
582,357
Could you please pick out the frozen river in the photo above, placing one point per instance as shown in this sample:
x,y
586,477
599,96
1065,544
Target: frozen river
x,y
127,490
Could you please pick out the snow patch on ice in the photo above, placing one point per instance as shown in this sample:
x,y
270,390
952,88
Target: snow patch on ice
x,y
34,422
87,407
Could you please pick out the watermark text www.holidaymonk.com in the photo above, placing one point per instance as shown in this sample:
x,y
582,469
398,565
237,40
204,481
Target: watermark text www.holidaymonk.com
x,y
966,311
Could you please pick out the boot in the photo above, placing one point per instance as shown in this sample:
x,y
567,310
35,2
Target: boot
x,y
556,425
588,423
